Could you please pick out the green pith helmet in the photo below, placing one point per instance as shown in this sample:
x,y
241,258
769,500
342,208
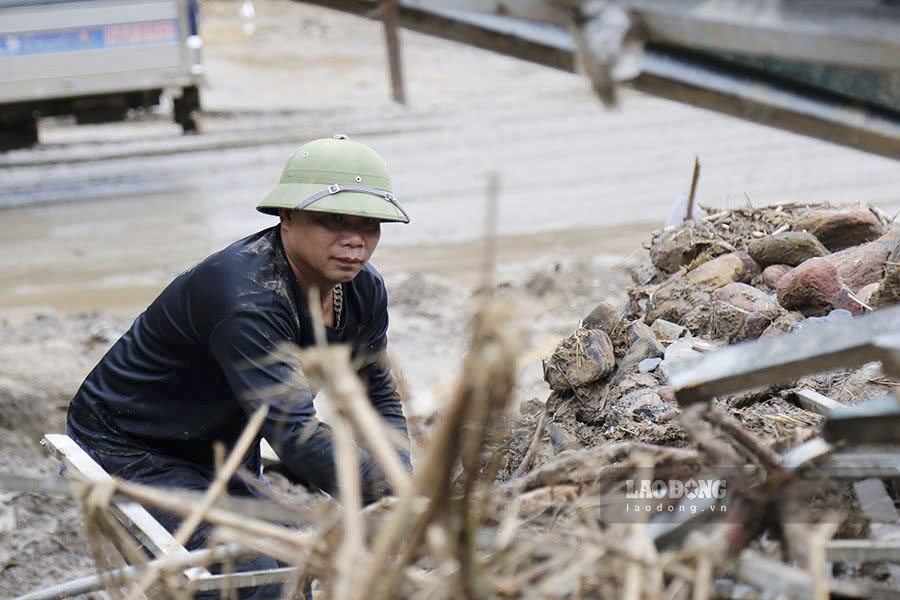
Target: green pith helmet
x,y
335,175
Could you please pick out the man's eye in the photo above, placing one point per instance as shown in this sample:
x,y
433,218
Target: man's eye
x,y
333,219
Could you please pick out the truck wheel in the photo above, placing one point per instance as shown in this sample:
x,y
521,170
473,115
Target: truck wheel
x,y
20,134
184,108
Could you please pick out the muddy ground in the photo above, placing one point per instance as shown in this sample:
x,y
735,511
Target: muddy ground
x,y
98,219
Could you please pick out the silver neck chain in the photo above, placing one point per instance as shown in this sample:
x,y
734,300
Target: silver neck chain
x,y
338,304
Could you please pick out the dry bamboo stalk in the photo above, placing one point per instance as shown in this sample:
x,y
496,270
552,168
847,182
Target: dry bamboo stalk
x,y
703,577
189,525
352,542
818,568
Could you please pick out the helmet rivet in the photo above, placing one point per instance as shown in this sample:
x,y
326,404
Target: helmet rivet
x,y
358,178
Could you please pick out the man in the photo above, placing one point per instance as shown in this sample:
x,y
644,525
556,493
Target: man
x,y
193,366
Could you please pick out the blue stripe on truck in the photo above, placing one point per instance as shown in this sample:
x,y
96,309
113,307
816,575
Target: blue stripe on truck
x,y
89,38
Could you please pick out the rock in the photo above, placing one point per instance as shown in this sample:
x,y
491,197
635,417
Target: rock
x,y
734,324
562,439
866,292
641,349
810,288
839,229
643,344
784,323
861,265
679,246
748,298
773,273
581,358
735,266
666,393
649,364
666,331
697,320
640,330
678,353
604,316
888,291
788,248
675,298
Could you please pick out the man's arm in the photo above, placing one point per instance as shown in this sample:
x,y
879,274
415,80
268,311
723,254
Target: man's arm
x,y
242,344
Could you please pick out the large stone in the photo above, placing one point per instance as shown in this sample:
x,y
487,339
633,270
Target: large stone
x,y
722,270
787,248
748,298
773,273
839,229
679,246
582,358
604,316
861,265
810,288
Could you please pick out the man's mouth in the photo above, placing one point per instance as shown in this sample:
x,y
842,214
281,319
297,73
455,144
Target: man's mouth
x,y
344,260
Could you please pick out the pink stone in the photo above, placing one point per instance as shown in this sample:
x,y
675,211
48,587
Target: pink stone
x,y
810,288
861,265
773,273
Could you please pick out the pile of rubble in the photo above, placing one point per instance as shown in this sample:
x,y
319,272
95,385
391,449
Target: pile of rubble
x,y
731,276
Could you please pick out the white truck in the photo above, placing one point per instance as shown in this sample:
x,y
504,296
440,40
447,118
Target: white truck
x,y
96,60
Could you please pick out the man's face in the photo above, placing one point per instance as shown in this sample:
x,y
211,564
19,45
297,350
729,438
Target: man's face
x,y
326,248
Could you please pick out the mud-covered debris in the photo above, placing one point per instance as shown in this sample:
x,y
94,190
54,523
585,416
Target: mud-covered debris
x,y
605,316
787,248
674,299
684,244
841,228
784,323
813,288
888,291
860,265
734,324
582,358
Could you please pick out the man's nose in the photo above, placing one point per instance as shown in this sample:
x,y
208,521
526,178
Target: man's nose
x,y
352,239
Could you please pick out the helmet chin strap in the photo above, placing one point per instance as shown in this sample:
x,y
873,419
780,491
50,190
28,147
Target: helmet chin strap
x,y
362,189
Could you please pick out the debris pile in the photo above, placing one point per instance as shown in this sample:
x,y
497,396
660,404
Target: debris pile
x,y
731,276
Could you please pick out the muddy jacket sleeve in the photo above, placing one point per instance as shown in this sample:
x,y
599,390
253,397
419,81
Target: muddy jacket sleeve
x,y
242,345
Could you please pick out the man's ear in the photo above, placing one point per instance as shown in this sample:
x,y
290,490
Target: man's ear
x,y
285,216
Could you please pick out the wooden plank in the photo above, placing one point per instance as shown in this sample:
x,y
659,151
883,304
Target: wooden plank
x,y
875,501
245,579
132,515
778,579
815,402
864,550
875,421
862,465
804,453
843,344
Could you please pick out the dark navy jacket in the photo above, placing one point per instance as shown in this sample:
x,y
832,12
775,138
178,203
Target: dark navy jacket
x,y
195,364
